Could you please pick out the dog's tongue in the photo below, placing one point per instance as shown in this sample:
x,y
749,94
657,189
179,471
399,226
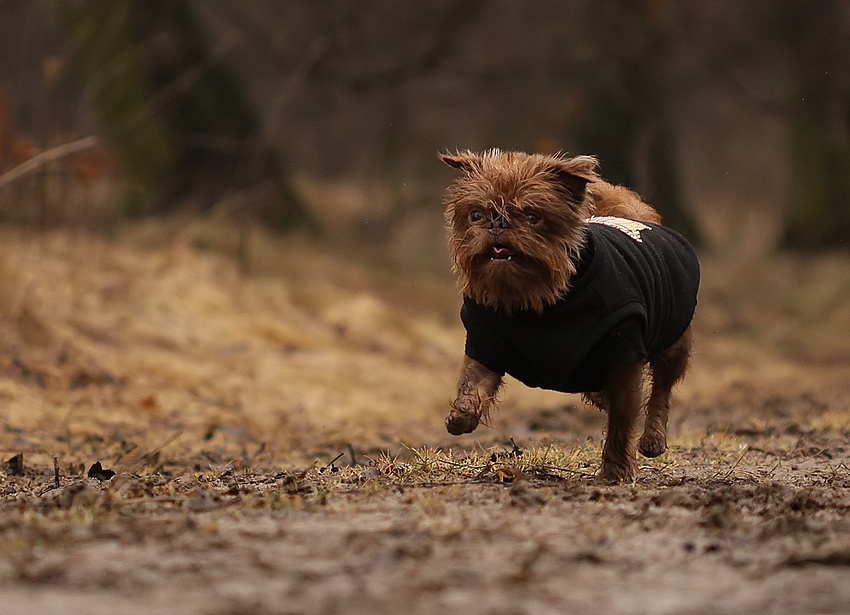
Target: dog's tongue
x,y
501,253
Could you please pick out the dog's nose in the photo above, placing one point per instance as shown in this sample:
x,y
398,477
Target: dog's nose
x,y
497,223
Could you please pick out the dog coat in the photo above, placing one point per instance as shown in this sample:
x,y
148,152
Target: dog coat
x,y
634,295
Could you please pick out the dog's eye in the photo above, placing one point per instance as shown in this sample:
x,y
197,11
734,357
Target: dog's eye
x,y
475,216
532,218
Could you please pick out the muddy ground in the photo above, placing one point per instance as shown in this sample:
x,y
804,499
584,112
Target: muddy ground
x,y
278,446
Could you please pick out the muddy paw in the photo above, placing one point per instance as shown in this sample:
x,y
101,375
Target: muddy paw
x,y
617,473
461,423
652,445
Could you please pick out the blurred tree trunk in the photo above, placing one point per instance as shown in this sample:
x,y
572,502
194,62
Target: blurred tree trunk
x,y
628,118
178,118
818,126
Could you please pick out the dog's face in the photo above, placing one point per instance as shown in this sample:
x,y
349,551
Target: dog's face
x,y
516,224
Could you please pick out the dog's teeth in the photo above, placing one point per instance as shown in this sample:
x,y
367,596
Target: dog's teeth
x,y
510,257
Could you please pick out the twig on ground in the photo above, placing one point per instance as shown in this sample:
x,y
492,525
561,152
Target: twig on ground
x,y
331,465
147,456
463,465
737,461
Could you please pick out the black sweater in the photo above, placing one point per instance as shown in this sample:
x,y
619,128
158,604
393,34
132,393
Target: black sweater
x,y
633,296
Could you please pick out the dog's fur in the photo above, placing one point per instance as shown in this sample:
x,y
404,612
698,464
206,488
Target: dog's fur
x,y
535,207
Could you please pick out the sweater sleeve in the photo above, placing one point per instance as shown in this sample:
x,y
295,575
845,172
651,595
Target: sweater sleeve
x,y
479,345
473,352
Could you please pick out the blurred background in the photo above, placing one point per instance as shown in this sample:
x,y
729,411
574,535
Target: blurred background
x,y
733,119
220,220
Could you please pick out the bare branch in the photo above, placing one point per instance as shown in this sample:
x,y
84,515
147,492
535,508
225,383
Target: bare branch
x,y
39,160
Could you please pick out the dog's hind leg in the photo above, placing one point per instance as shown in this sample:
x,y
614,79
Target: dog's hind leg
x,y
622,393
668,367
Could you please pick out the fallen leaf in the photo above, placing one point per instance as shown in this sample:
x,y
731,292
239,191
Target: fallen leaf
x,y
97,471
15,465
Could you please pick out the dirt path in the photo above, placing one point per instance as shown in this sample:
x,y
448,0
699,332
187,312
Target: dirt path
x,y
760,532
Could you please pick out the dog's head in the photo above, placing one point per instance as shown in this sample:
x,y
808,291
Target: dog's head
x,y
515,224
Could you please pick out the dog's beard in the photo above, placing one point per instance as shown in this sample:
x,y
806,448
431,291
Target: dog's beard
x,y
516,269
516,225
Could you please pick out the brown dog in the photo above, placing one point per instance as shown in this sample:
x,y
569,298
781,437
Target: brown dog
x,y
569,284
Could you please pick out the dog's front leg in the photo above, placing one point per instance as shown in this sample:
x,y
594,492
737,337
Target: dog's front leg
x,y
476,392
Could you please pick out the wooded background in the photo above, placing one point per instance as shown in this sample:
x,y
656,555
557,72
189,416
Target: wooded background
x,y
732,118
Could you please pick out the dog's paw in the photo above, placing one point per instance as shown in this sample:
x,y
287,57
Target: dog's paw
x,y
652,445
458,423
464,416
613,474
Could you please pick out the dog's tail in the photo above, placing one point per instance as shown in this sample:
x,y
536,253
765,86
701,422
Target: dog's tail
x,y
619,201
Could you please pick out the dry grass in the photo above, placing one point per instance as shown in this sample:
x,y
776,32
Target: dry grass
x,y
148,339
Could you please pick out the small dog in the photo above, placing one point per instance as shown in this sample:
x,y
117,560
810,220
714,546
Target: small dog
x,y
569,284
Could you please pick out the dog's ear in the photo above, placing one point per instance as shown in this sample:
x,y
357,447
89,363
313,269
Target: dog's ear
x,y
575,173
465,161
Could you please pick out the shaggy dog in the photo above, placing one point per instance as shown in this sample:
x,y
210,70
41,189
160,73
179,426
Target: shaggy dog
x,y
569,284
